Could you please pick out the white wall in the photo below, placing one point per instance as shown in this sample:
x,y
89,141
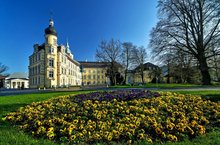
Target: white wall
x,y
16,83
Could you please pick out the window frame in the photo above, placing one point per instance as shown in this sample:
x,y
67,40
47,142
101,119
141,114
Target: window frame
x,y
51,74
51,62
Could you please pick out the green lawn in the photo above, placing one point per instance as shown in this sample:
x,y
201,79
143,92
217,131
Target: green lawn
x,y
162,86
213,95
9,135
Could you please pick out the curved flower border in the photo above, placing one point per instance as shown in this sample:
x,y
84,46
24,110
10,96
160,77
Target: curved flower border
x,y
119,116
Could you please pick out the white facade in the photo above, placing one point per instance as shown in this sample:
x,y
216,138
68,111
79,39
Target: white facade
x,y
16,83
68,69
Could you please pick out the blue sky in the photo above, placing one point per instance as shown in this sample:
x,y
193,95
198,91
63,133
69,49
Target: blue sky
x,y
84,22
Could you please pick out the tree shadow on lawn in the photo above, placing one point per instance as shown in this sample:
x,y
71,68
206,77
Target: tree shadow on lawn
x,y
6,126
6,108
11,107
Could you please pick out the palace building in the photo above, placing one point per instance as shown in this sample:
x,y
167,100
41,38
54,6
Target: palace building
x,y
95,73
52,65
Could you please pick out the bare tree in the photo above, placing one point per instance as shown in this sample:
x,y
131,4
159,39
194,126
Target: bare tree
x,y
3,68
214,64
192,26
110,52
167,59
127,57
139,56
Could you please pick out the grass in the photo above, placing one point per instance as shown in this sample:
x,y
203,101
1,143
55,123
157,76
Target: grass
x,y
10,135
163,86
11,103
213,95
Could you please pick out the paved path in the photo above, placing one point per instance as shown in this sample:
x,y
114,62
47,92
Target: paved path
x,y
29,91
7,92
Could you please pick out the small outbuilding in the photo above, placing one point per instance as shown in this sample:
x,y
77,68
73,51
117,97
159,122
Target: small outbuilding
x,y
16,81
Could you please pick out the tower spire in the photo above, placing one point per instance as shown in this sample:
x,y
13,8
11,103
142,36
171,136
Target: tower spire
x,y
51,22
67,46
67,43
51,14
51,30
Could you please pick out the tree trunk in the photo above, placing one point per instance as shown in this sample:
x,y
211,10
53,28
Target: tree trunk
x,y
115,82
125,77
113,79
168,72
142,78
113,76
203,66
168,79
142,73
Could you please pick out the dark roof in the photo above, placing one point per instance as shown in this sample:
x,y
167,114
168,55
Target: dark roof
x,y
17,78
130,71
92,64
59,48
147,66
2,77
41,47
73,61
50,30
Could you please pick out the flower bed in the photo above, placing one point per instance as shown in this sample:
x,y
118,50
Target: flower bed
x,y
119,116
